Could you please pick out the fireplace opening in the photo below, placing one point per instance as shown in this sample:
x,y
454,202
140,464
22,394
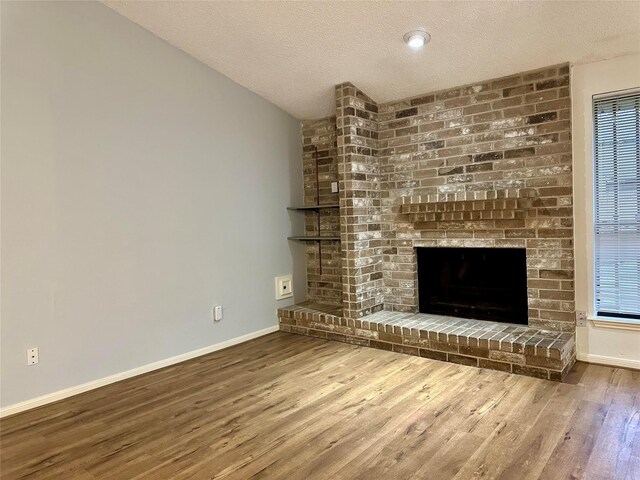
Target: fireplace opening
x,y
480,283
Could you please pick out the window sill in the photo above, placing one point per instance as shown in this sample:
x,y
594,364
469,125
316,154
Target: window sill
x,y
616,323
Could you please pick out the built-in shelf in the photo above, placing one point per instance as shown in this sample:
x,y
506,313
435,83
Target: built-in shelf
x,y
308,238
315,238
314,207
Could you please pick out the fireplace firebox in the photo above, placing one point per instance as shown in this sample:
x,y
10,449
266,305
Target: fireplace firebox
x,y
480,283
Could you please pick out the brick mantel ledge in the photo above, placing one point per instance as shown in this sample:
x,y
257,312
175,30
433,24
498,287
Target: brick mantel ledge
x,y
469,196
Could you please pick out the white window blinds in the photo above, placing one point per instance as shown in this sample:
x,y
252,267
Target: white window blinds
x,y
617,205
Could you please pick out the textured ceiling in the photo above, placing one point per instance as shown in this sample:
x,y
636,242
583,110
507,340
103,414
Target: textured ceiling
x,y
293,53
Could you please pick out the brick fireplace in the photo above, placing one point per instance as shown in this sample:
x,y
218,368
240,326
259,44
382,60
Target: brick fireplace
x,y
486,165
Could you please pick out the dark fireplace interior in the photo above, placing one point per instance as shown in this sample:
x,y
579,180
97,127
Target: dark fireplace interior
x,y
480,283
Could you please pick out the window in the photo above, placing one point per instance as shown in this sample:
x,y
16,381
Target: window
x,y
617,205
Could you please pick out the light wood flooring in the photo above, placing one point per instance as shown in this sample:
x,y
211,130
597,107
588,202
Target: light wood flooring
x,y
294,407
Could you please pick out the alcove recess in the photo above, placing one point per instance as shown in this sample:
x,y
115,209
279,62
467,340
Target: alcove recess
x,y
322,228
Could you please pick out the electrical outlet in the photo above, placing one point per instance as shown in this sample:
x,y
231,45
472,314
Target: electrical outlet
x,y
284,287
581,319
217,313
334,187
32,356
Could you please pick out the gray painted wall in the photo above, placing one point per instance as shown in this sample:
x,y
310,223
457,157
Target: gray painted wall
x,y
139,188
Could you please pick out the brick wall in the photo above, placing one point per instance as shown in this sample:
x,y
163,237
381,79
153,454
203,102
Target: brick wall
x,y
510,136
321,135
360,229
487,164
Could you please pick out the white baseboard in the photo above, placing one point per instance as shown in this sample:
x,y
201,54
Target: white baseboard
x,y
85,387
610,361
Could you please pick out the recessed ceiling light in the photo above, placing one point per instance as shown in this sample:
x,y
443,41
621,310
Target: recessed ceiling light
x,y
416,38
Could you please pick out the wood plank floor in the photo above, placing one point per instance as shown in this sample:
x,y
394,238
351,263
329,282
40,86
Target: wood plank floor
x,y
294,407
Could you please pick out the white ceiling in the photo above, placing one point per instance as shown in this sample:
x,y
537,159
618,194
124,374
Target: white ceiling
x,y
293,53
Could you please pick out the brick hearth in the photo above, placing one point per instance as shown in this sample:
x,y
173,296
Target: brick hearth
x,y
497,346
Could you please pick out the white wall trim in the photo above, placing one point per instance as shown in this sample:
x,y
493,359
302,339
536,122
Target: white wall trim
x,y
609,361
633,326
101,382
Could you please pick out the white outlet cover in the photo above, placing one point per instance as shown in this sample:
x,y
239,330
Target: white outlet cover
x,y
217,313
284,287
581,319
33,356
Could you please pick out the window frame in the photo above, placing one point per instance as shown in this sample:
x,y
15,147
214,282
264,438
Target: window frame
x,y
600,320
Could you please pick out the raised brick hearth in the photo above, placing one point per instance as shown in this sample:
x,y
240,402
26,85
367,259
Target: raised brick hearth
x,y
497,346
